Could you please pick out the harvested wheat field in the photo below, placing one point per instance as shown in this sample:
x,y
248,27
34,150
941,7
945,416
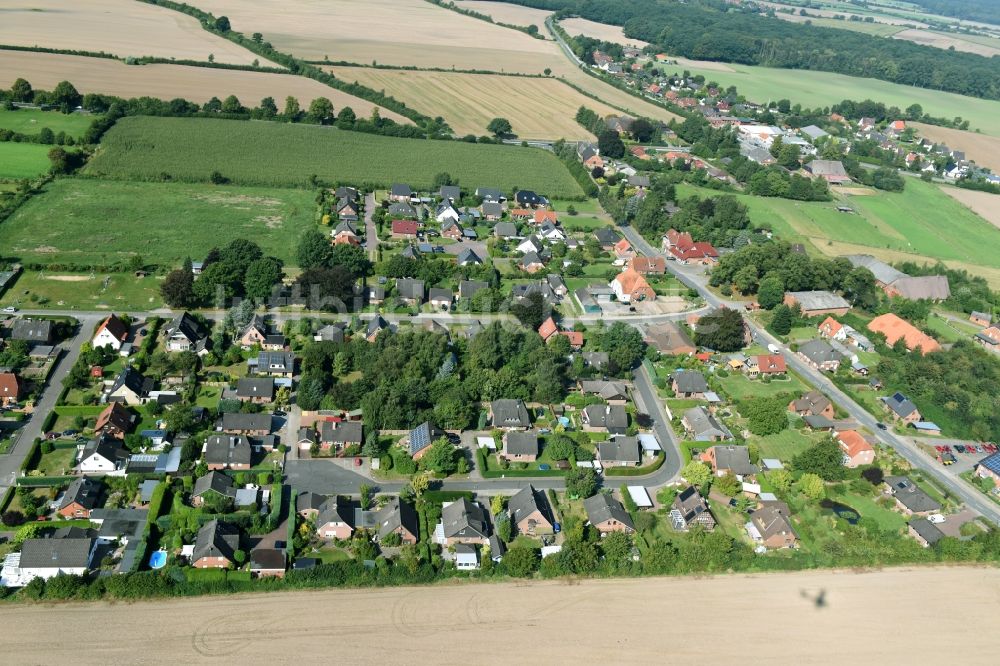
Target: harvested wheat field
x,y
120,27
390,32
608,33
508,13
941,41
412,32
981,148
820,617
537,108
983,204
197,84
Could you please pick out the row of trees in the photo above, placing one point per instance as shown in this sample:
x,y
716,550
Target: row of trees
x,y
238,269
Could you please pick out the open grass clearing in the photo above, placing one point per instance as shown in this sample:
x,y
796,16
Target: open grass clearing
x,y
117,291
504,12
814,88
984,150
84,221
787,444
120,27
197,84
536,108
191,149
738,386
892,226
23,160
31,121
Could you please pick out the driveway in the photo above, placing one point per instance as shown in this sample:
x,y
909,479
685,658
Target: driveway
x,y
371,232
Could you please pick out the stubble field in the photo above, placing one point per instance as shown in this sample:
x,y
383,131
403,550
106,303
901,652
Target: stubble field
x,y
413,33
197,84
943,41
603,31
508,13
984,204
537,108
120,27
283,155
822,617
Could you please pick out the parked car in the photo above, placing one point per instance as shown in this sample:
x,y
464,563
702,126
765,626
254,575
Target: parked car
x,y
960,448
10,309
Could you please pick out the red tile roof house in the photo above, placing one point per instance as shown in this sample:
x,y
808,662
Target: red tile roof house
x,y
649,265
10,388
629,286
548,329
575,339
594,161
856,450
894,328
686,251
543,216
766,364
623,249
111,333
115,421
405,228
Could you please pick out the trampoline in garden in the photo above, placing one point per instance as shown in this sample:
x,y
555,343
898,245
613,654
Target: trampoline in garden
x,y
158,559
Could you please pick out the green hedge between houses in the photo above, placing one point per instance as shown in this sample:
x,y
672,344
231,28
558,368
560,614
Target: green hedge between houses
x,y
44,481
636,471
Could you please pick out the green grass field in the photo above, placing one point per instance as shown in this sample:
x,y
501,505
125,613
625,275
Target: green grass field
x,y
92,222
738,386
31,121
920,223
23,160
83,291
275,154
813,89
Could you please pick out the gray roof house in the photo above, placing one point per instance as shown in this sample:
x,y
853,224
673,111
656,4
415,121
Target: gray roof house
x,y
468,256
900,405
731,458
184,333
464,520
260,389
397,516
620,451
509,413
929,287
603,509
520,444
612,418
468,288
883,272
228,451
216,540
689,383
910,496
43,556
276,363
505,230
32,330
409,289
400,190
608,390
703,426
84,491
422,437
490,194
450,192
821,354
213,482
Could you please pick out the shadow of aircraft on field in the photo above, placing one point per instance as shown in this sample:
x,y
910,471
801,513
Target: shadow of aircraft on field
x,y
819,600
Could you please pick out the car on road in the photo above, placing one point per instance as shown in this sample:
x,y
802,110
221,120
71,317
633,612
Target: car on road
x,y
882,426
773,348
10,309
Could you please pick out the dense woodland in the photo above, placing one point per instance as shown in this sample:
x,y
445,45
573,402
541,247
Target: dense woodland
x,y
716,30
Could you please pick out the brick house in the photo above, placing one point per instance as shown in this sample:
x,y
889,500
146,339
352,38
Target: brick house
x,y
228,452
530,513
216,545
812,403
630,286
333,521
903,409
115,421
856,450
80,498
771,527
607,514
520,446
10,389
465,522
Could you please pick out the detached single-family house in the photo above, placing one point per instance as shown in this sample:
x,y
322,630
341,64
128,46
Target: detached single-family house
x,y
814,303
614,393
520,446
216,545
607,237
612,419
397,517
856,450
729,459
630,286
376,326
276,363
80,498
509,414
258,390
989,468
607,514
267,563
689,384
690,509
212,485
339,435
47,558
228,452
903,409
821,355
184,333
770,526
400,192
812,403
405,228
440,298
10,389
668,338
251,425
620,452
910,498
468,257
832,171
130,387
649,265
924,532
410,291
112,332
464,522
420,438
702,426
345,233
255,332
32,331
103,455
981,318
333,519
115,421
530,512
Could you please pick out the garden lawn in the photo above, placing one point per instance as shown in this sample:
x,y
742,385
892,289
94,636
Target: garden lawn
x,y
263,153
866,506
786,444
31,121
58,462
739,386
23,160
91,222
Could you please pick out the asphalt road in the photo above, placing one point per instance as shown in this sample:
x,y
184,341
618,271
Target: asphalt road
x,y
958,488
